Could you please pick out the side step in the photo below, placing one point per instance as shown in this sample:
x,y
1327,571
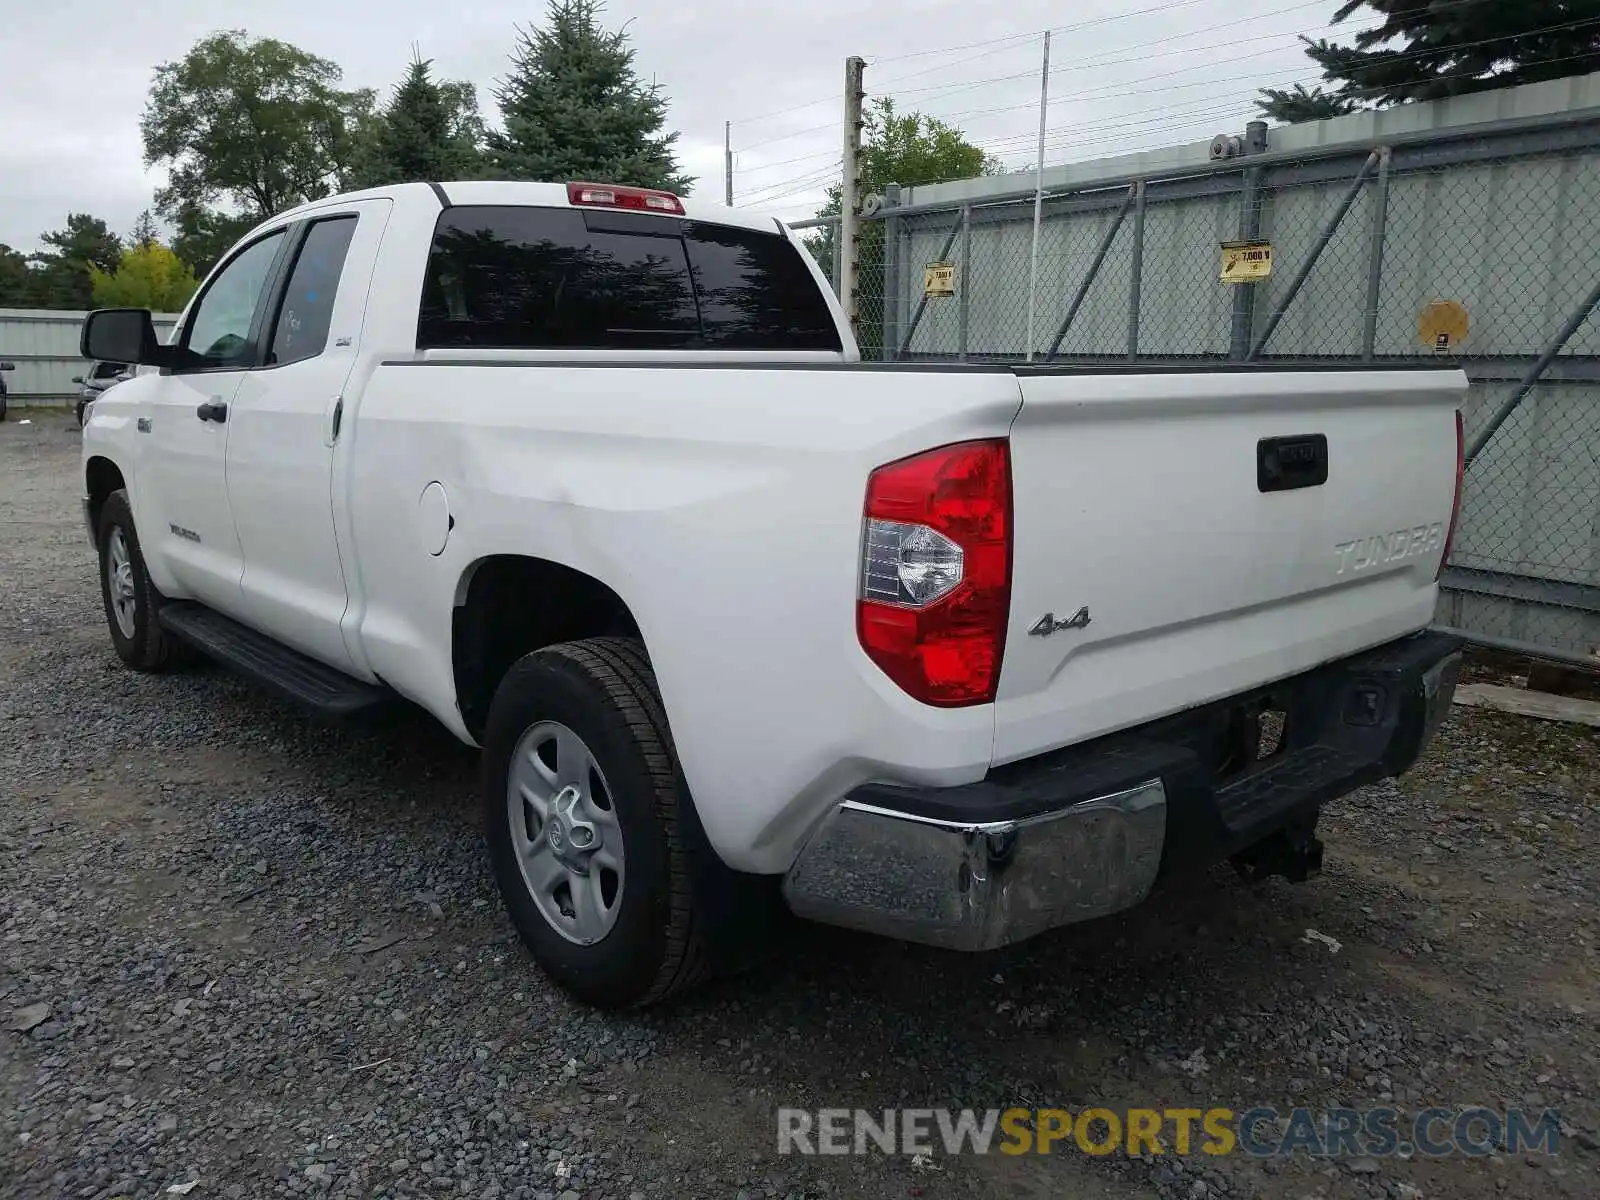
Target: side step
x,y
303,682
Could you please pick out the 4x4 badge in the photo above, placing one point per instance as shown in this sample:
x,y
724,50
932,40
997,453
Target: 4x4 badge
x,y
1047,624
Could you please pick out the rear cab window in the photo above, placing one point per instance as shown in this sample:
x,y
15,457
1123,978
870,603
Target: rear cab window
x,y
523,278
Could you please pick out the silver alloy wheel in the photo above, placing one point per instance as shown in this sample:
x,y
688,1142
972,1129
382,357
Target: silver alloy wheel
x,y
119,582
565,832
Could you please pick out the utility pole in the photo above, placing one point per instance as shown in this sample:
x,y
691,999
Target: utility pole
x,y
850,193
1038,199
727,163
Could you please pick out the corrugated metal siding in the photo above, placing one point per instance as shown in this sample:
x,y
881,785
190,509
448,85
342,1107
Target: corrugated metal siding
x,y
43,343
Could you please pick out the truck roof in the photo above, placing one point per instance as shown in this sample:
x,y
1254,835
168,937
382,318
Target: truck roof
x,y
540,195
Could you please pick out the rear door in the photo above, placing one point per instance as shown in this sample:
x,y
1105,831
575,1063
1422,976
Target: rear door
x,y
1181,537
285,422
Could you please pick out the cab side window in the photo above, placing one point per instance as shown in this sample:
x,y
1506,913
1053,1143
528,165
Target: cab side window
x,y
300,330
218,334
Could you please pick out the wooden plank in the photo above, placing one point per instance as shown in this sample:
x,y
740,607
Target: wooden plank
x,y
1529,704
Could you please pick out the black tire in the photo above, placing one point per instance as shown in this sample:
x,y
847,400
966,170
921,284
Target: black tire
x,y
149,648
682,915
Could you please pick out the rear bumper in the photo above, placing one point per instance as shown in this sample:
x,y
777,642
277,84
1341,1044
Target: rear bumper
x,y
1087,831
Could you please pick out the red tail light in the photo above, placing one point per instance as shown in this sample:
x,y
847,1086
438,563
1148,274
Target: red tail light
x,y
605,195
1455,507
936,571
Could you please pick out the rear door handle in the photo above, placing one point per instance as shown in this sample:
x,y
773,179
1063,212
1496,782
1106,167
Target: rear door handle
x,y
212,410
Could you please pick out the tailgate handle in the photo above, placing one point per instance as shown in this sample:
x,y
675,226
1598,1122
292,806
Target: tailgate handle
x,y
1286,463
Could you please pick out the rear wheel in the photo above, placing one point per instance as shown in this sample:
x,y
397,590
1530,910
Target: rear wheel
x,y
593,838
131,600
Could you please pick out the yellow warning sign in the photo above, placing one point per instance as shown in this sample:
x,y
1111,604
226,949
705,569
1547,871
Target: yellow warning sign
x,y
1246,262
939,279
1443,325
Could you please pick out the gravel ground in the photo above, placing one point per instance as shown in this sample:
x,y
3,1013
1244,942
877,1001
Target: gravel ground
x,y
274,965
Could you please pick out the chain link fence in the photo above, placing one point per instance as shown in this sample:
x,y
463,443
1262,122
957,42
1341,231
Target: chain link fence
x,y
1474,246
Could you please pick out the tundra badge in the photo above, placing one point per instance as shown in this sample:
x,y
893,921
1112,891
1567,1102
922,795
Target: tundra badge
x,y
1047,624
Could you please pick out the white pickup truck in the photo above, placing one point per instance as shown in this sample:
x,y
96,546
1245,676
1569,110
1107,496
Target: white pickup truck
x,y
951,653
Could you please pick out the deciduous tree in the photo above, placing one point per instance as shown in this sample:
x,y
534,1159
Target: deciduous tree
x,y
149,275
911,149
252,122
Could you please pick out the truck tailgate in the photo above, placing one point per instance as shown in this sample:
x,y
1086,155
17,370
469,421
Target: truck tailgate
x,y
1174,529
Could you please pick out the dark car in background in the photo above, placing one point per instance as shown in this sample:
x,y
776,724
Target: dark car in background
x,y
101,376
4,366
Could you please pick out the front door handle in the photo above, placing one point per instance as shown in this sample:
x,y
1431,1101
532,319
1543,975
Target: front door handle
x,y
212,410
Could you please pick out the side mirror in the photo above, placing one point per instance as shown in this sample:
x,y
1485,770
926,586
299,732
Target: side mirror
x,y
122,335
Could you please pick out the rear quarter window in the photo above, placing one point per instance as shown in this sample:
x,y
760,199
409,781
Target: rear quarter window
x,y
549,278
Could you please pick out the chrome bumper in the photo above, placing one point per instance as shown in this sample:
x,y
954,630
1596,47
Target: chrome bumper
x,y
968,886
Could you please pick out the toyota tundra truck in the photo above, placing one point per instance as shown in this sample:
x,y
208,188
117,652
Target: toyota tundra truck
x,y
952,653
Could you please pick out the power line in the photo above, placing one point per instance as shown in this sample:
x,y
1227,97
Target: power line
x,y
1105,92
787,187
951,89
1082,64
1101,92
1014,39
1023,141
785,162
785,137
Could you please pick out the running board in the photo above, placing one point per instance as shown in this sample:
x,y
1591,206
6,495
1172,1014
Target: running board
x,y
288,674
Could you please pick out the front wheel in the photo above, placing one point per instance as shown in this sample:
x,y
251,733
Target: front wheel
x,y
591,832
131,600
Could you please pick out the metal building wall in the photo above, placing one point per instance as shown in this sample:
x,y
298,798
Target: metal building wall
x,y
43,343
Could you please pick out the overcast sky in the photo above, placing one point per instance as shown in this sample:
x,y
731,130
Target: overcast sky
x,y
1126,74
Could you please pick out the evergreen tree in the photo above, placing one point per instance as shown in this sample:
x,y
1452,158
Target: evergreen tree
x,y
144,230
574,107
1427,51
1290,106
429,130
60,275
16,280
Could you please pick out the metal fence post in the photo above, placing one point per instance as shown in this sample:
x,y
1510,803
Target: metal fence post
x,y
838,258
1380,222
1244,294
964,286
1136,270
891,272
